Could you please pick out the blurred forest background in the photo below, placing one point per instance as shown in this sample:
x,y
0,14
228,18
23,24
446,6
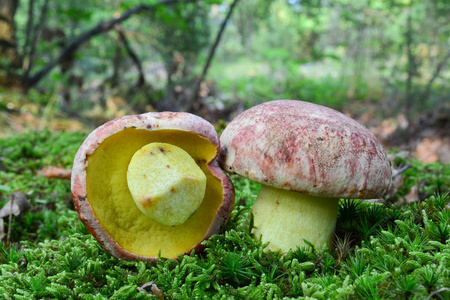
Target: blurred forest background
x,y
73,65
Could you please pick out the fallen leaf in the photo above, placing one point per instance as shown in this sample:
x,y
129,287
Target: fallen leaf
x,y
158,292
433,149
17,205
56,172
413,195
154,289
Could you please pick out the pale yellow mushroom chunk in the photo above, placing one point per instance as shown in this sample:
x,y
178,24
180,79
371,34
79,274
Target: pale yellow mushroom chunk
x,y
166,183
285,218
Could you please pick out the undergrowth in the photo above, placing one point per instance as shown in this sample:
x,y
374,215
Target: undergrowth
x,y
381,251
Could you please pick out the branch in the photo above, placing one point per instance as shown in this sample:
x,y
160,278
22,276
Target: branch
x,y
427,90
4,19
6,44
30,21
99,29
212,51
132,55
34,39
397,172
412,65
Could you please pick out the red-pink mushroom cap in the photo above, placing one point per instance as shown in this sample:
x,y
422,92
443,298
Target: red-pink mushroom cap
x,y
306,157
308,148
106,207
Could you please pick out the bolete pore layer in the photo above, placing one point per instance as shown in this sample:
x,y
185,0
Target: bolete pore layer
x,y
149,185
306,157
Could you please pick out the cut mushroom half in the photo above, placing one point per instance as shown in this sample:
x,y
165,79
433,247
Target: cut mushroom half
x,y
306,157
149,185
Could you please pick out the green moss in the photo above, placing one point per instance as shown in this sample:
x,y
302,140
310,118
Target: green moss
x,y
381,251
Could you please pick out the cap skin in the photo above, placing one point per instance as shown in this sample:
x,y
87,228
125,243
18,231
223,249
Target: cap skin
x,y
105,205
307,149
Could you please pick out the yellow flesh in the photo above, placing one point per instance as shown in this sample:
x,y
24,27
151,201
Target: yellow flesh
x,y
166,183
115,208
284,218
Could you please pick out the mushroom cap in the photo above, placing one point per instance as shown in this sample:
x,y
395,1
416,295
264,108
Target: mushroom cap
x,y
106,207
305,147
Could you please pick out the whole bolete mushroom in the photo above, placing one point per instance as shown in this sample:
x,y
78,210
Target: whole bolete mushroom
x,y
149,185
306,157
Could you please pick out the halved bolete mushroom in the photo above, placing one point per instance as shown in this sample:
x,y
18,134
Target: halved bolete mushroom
x,y
306,157
149,185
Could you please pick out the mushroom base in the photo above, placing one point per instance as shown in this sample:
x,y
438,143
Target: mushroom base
x,y
285,218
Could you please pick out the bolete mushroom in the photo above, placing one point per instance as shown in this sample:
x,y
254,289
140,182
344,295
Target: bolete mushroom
x,y
149,185
306,157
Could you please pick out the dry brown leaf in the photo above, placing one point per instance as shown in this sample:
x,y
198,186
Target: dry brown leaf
x,y
158,292
154,289
413,195
17,205
55,172
432,149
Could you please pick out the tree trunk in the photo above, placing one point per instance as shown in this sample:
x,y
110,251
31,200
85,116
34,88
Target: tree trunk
x,y
412,66
8,46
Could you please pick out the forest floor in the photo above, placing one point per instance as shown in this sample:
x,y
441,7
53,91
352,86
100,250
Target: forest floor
x,y
426,137
393,249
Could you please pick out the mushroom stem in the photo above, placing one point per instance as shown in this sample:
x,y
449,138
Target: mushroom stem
x,y
285,218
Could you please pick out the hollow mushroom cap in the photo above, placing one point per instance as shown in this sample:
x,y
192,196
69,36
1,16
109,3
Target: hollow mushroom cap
x,y
305,147
105,205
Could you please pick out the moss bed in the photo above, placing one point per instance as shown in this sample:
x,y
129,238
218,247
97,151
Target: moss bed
x,y
392,250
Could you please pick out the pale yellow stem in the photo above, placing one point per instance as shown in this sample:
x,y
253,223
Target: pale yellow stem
x,y
284,218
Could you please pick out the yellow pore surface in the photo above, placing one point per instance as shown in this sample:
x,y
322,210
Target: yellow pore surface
x,y
166,183
114,207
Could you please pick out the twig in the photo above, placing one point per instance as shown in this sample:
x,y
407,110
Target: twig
x,y
437,292
439,67
132,54
401,170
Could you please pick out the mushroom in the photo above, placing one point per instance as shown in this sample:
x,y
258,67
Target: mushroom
x,y
306,157
149,185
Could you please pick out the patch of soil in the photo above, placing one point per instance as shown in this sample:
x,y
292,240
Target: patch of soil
x,y
16,122
427,136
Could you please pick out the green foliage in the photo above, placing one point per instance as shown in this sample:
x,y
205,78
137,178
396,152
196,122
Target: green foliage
x,y
430,178
279,77
333,53
337,53
381,251
180,29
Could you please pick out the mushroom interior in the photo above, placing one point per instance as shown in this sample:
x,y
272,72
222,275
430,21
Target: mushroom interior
x,y
115,209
